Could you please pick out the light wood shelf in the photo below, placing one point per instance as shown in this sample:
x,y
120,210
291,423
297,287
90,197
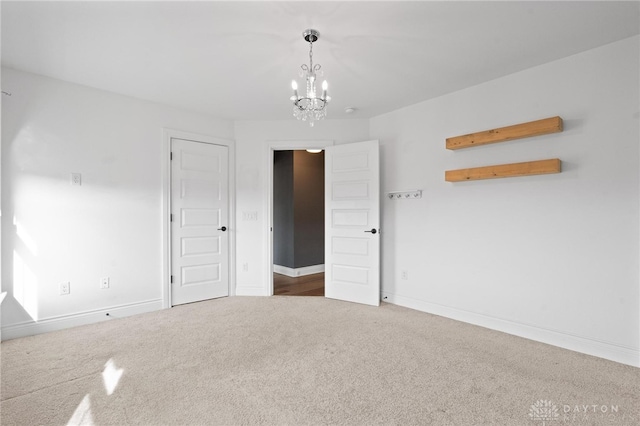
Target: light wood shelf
x,y
528,168
503,134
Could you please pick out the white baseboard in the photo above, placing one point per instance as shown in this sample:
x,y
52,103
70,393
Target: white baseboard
x,y
601,349
251,291
29,328
298,272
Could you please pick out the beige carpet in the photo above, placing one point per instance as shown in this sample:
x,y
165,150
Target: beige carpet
x,y
305,361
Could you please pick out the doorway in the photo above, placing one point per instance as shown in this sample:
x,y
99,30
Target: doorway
x,y
298,222
271,147
352,227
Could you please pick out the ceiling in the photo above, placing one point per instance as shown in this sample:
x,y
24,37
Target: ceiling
x,y
236,60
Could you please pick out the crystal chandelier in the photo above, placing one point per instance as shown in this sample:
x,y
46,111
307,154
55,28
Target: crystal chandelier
x,y
310,107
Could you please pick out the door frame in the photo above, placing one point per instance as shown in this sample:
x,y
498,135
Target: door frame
x,y
270,147
167,135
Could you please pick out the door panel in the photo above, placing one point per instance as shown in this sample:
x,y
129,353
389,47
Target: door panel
x,y
352,239
199,207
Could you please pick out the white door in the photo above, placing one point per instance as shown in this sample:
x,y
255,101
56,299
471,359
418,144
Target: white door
x,y
199,221
352,221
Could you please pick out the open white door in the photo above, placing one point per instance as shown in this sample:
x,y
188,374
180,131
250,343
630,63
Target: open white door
x,y
352,220
199,210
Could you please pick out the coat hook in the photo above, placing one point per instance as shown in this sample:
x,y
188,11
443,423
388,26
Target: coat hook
x,y
6,93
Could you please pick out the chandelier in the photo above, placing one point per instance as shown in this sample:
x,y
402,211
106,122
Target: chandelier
x,y
310,107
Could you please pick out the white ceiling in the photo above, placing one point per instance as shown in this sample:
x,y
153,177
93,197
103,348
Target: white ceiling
x,y
236,60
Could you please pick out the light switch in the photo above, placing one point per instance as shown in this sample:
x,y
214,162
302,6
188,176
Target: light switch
x,y
249,215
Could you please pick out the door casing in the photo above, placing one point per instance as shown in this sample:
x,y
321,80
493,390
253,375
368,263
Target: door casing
x,y
169,134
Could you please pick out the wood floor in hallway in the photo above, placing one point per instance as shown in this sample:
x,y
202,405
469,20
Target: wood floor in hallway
x,y
308,285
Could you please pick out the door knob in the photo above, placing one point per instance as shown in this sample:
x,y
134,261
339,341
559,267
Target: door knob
x,y
224,228
373,231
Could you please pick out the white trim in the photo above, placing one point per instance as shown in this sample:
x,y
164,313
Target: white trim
x,y
298,272
611,351
270,147
252,291
29,328
169,134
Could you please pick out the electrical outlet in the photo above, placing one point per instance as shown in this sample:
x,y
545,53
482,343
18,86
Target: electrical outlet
x,y
245,267
65,288
104,282
76,179
404,275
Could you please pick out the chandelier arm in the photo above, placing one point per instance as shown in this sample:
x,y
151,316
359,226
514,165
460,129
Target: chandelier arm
x,y
312,104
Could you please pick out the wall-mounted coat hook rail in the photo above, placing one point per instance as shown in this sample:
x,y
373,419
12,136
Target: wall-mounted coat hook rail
x,y
396,195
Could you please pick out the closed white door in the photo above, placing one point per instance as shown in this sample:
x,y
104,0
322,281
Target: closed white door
x,y
352,222
199,221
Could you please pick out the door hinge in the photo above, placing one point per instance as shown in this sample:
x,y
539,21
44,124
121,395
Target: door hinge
x,y
171,279
170,156
171,217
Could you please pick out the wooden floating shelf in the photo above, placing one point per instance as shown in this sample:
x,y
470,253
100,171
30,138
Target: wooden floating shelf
x,y
503,134
529,168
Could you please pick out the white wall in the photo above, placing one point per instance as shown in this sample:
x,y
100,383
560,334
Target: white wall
x,y
252,184
109,226
554,257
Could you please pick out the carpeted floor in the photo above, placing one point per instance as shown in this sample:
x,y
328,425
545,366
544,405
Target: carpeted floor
x,y
305,361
